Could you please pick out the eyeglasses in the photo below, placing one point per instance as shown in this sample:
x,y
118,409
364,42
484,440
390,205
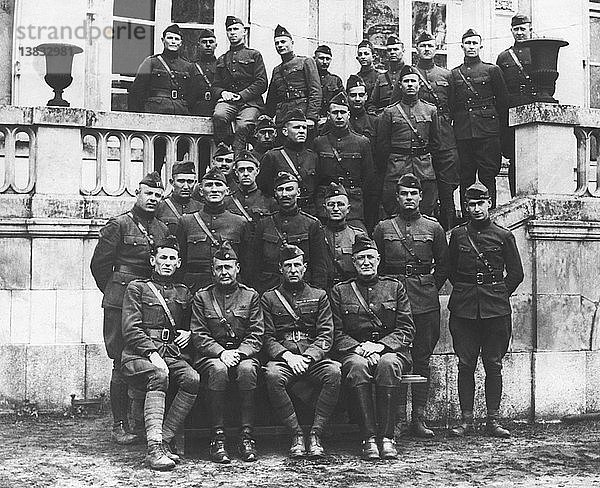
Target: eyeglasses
x,y
336,204
222,159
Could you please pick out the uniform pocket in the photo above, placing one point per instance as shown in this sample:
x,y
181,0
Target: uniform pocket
x,y
130,240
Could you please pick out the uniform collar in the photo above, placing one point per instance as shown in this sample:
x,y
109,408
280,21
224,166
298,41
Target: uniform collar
x,y
214,209
410,100
395,66
237,47
361,280
142,214
367,70
226,289
246,190
289,213
170,55
357,113
293,287
479,225
472,61
339,132
425,64
287,57
412,214
179,200
336,226
161,280
294,146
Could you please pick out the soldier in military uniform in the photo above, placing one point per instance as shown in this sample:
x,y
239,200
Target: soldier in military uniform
x,y
478,105
205,65
515,63
293,157
222,159
156,335
163,85
331,84
179,202
295,82
121,256
227,331
435,85
368,73
247,200
345,158
412,246
339,236
408,139
265,134
200,234
381,96
298,336
373,335
288,225
240,80
485,270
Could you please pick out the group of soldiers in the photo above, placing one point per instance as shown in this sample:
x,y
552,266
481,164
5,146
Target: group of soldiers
x,y
278,261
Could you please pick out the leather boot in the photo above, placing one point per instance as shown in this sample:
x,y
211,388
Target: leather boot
x,y
387,406
494,428
121,436
315,449
298,447
363,400
156,458
247,409
181,406
170,451
402,429
465,427
247,446
388,449
418,426
218,451
369,449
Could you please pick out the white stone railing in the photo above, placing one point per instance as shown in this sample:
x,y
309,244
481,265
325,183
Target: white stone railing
x,y
17,153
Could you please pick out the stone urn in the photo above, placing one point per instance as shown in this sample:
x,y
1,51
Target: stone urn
x,y
59,64
543,69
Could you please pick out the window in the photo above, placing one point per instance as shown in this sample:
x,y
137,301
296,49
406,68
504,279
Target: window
x,y
192,15
430,17
381,19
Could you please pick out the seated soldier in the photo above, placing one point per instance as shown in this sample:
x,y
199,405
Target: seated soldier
x,y
227,329
373,335
298,336
156,333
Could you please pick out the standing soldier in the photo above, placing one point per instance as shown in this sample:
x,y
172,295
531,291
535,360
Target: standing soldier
x,y
163,85
480,314
200,234
373,336
288,225
121,256
240,80
408,138
339,236
411,246
227,328
381,95
478,107
179,202
298,336
367,72
295,82
265,134
515,63
330,84
435,85
345,158
222,160
156,335
293,157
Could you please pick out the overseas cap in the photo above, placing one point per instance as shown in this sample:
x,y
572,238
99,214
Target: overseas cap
x,y
519,19
284,177
214,174
225,252
293,114
152,180
334,190
323,49
365,43
409,181
392,41
183,167
353,82
289,251
281,31
423,37
408,70
362,242
245,155
167,241
340,98
477,191
222,150
173,28
471,33
204,33
230,20
264,122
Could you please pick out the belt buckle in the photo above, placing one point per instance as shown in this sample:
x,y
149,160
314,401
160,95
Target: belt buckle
x,y
296,335
408,270
207,96
165,335
479,278
174,94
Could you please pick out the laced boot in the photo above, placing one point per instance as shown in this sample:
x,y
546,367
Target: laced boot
x,y
369,449
157,459
315,449
418,426
181,406
154,411
247,446
494,428
121,436
218,451
388,449
298,446
171,451
465,427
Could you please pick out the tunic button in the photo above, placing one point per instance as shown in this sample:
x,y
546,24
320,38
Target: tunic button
x,y
228,311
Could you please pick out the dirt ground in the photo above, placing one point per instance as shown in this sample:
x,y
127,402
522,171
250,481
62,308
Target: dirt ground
x,y
67,452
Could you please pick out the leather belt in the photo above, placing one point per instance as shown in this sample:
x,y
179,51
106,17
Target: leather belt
x,y
134,270
164,335
411,151
294,95
415,269
296,336
481,103
172,94
480,278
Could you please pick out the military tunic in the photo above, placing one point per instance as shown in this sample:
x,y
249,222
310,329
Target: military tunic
x,y
294,227
165,213
339,240
197,249
405,151
255,203
205,68
345,158
330,85
381,96
295,83
369,76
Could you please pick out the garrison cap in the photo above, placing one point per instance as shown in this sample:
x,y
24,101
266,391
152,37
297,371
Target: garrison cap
x,y
225,252
334,190
281,31
173,28
323,49
264,122
230,20
222,150
169,241
183,167
353,82
293,114
471,33
214,174
392,41
519,19
289,251
284,177
204,33
409,181
152,180
477,191
362,242
423,37
245,155
407,69
340,98
365,43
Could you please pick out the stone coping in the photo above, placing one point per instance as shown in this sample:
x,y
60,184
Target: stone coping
x,y
554,113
